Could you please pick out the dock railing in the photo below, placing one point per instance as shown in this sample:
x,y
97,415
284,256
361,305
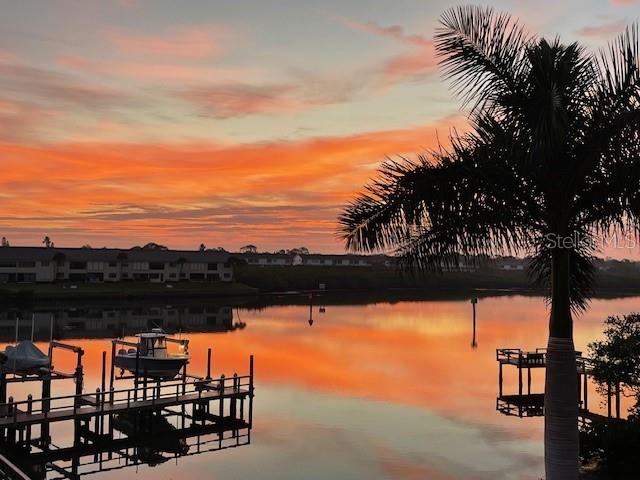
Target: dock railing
x,y
164,393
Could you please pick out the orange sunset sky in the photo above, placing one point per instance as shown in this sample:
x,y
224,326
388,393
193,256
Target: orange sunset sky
x,y
129,121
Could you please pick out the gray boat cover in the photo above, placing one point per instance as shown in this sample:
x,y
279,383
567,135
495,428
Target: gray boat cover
x,y
24,357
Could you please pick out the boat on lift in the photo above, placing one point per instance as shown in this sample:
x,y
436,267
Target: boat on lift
x,y
23,358
150,356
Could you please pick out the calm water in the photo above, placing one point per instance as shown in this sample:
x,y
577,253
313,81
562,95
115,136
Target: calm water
x,y
379,391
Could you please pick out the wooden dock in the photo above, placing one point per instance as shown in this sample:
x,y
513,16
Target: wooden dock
x,y
217,412
527,403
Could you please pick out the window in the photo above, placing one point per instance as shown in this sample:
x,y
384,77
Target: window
x,y
113,264
172,275
213,266
156,266
78,265
227,275
26,264
197,276
44,263
112,275
7,264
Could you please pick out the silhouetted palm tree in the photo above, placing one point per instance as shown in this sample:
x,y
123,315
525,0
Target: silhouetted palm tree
x,y
552,163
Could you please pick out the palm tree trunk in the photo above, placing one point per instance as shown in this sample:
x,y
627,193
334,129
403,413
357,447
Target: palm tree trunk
x,y
561,385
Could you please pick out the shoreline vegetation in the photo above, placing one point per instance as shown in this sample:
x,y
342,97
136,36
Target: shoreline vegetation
x,y
253,281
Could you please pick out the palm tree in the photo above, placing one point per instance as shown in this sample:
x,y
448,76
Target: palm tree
x,y
550,165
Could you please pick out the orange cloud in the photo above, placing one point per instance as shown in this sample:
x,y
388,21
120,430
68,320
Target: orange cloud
x,y
417,63
222,193
395,31
625,2
224,101
186,42
154,71
602,30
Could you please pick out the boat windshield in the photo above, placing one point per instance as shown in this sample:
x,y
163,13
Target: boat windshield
x,y
156,347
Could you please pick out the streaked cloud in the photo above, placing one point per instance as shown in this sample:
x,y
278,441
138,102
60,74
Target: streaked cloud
x,y
273,191
22,81
188,42
605,30
416,63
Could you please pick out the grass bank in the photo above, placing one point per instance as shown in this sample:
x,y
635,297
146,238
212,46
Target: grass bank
x,y
370,279
123,290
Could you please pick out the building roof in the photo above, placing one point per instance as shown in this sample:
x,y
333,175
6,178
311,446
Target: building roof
x,y
109,255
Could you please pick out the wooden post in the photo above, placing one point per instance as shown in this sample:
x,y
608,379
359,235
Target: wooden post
x,y
209,364
46,403
136,375
520,375
10,431
250,390
586,391
617,399
96,424
529,380
144,384
221,411
112,370
233,401
104,370
29,411
79,373
609,399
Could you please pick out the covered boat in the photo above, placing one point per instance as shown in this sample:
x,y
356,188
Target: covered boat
x,y
23,358
150,356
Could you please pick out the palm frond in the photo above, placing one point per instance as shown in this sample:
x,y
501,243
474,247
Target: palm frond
x,y
482,52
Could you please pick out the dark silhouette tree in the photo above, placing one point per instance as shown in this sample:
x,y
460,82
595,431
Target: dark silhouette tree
x,y
47,242
203,247
550,164
249,249
298,251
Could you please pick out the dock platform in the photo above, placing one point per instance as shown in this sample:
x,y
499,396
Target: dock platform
x,y
157,419
527,403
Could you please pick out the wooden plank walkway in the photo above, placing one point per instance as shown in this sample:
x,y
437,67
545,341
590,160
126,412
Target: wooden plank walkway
x,y
536,359
23,418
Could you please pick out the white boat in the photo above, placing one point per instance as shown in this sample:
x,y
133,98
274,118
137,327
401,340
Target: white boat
x,y
23,358
150,356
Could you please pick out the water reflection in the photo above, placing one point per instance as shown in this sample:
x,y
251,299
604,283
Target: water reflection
x,y
146,438
99,321
384,390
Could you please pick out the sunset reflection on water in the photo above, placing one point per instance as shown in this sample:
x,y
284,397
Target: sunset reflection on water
x,y
388,391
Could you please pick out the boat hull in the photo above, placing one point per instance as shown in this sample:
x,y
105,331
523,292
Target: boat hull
x,y
152,367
